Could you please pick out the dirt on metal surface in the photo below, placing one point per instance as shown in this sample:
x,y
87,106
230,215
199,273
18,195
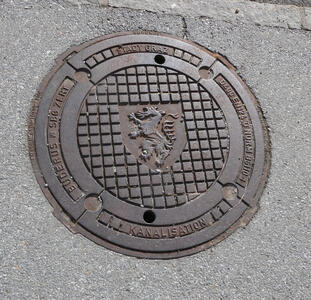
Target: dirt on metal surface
x,y
149,145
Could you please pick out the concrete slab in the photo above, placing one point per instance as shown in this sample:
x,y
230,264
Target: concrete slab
x,y
287,16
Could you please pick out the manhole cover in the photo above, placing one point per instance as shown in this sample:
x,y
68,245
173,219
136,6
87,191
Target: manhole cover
x,y
149,145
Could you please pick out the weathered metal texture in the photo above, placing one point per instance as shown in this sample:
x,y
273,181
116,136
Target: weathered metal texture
x,y
148,144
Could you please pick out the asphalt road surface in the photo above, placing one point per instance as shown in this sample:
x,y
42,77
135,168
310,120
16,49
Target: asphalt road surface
x,y
269,259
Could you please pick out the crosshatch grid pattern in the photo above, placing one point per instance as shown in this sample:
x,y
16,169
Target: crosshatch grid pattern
x,y
118,171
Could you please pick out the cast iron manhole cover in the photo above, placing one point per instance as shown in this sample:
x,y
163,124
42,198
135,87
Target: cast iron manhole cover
x,y
149,145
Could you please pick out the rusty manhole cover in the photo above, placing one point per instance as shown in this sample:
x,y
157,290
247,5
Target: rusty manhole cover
x,y
149,145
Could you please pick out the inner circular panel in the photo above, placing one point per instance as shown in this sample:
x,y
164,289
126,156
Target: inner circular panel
x,y
116,160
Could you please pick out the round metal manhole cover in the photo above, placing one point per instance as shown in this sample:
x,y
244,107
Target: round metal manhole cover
x,y
149,145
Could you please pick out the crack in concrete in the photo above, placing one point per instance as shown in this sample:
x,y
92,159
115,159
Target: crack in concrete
x,y
185,28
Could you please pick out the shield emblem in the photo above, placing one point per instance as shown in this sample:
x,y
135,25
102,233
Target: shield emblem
x,y
154,134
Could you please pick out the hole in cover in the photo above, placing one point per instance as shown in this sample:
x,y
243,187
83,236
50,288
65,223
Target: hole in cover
x,y
149,216
159,59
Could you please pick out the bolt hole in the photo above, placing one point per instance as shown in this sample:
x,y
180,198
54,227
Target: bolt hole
x,y
149,216
92,202
230,191
82,75
206,73
159,59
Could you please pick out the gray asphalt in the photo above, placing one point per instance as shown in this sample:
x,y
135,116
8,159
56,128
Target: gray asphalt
x,y
269,259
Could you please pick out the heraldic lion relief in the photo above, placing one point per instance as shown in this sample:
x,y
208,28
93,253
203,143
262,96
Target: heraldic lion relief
x,y
159,135
154,134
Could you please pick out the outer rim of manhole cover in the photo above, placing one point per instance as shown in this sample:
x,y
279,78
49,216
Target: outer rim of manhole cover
x,y
195,144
